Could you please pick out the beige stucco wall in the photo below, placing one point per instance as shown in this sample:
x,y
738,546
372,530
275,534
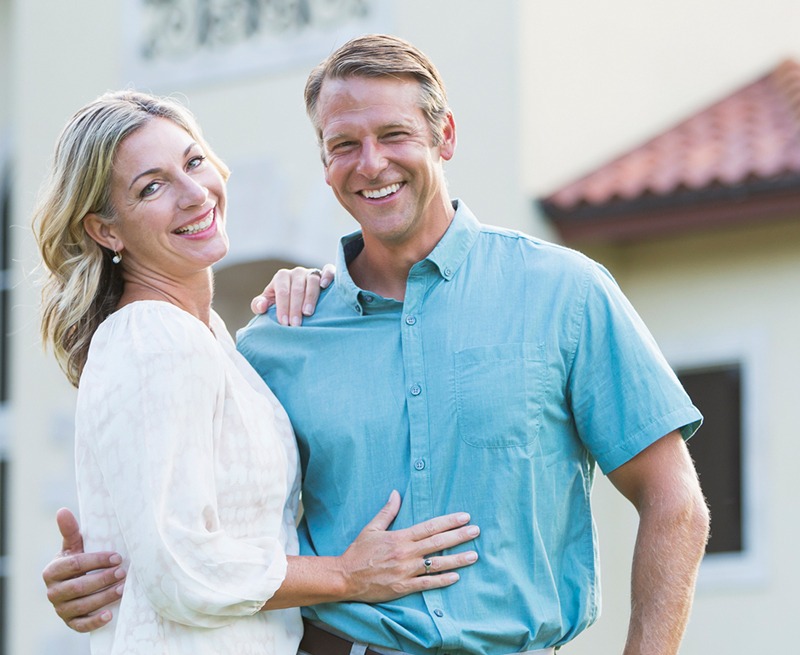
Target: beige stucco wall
x,y
540,93
722,294
64,54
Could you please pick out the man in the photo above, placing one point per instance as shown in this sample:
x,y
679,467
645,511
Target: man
x,y
475,369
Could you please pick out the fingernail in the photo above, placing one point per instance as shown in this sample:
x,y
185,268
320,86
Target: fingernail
x,y
296,321
463,517
308,310
471,556
473,531
115,559
284,320
260,305
105,616
120,573
119,589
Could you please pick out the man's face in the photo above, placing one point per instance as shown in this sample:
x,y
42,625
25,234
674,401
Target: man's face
x,y
380,159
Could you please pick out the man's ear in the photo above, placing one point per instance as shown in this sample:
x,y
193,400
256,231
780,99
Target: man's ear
x,y
102,232
448,146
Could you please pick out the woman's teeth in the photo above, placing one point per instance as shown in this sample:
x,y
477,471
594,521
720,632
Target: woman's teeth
x,y
198,227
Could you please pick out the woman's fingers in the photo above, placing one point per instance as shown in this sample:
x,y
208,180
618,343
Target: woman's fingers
x,y
294,292
383,519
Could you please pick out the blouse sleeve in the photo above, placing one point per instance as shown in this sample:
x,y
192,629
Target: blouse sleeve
x,y
159,405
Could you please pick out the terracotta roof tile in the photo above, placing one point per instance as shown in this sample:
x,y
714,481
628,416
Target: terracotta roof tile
x,y
737,146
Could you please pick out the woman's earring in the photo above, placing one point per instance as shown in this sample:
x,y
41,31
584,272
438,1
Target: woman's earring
x,y
117,258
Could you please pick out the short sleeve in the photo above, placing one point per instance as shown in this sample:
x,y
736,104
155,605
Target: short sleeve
x,y
623,393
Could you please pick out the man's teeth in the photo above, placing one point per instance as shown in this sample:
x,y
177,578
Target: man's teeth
x,y
197,227
381,193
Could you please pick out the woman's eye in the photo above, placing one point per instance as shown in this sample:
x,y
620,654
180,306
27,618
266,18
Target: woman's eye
x,y
194,162
150,189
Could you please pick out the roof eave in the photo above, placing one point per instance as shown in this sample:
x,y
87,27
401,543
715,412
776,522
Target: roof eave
x,y
652,217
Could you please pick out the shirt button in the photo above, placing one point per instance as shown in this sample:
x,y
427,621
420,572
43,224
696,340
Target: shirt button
x,y
368,299
448,272
438,613
416,390
419,464
410,320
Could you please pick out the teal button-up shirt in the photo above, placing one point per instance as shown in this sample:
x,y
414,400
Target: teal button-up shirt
x,y
512,366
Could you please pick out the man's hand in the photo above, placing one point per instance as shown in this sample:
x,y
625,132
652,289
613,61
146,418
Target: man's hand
x,y
294,293
80,585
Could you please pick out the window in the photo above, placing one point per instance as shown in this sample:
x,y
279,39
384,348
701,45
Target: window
x,y
726,375
717,452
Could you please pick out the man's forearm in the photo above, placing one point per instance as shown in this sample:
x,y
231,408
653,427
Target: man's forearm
x,y
669,547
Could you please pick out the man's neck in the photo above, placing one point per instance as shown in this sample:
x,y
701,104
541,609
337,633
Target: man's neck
x,y
383,267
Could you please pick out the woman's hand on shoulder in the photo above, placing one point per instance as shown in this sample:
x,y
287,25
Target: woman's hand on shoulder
x,y
294,292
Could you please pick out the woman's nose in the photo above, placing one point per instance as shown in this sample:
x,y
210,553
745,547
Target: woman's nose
x,y
192,192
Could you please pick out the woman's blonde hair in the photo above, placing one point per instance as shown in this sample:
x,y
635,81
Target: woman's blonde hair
x,y
82,285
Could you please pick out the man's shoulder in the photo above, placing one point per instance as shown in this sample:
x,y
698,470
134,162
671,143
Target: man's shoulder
x,y
533,248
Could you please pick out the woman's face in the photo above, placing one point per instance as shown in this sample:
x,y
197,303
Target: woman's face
x,y
169,202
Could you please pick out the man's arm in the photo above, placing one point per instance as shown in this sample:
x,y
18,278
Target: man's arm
x,y
662,484
80,585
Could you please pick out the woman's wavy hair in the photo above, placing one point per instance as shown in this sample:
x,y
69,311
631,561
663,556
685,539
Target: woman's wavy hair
x,y
82,286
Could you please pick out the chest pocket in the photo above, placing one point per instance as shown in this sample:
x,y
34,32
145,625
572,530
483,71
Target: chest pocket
x,y
500,392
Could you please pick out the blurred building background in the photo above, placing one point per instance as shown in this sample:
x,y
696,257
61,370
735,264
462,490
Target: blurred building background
x,y
662,139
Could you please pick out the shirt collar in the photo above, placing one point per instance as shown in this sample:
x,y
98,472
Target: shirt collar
x,y
446,257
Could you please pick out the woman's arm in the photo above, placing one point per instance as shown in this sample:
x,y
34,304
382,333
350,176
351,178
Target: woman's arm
x,y
380,565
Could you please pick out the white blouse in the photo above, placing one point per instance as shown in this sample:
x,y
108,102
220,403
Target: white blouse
x,y
187,466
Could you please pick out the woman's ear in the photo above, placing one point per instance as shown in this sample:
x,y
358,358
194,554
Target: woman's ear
x,y
102,232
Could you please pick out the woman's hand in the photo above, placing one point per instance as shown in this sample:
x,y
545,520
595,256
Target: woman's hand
x,y
382,565
80,585
294,292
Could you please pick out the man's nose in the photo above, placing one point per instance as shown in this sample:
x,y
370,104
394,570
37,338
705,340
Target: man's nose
x,y
372,160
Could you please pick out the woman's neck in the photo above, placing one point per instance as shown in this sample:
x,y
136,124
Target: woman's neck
x,y
192,296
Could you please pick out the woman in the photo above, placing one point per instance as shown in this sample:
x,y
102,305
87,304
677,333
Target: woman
x,y
186,462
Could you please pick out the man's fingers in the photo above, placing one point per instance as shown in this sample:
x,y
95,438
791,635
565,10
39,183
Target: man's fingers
x,y
69,572
71,539
90,612
89,623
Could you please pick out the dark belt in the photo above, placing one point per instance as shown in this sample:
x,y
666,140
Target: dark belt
x,y
317,641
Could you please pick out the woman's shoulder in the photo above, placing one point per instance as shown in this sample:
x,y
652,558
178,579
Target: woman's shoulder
x,y
153,326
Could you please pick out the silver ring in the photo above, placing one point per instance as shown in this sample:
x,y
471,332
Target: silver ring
x,y
427,564
315,271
